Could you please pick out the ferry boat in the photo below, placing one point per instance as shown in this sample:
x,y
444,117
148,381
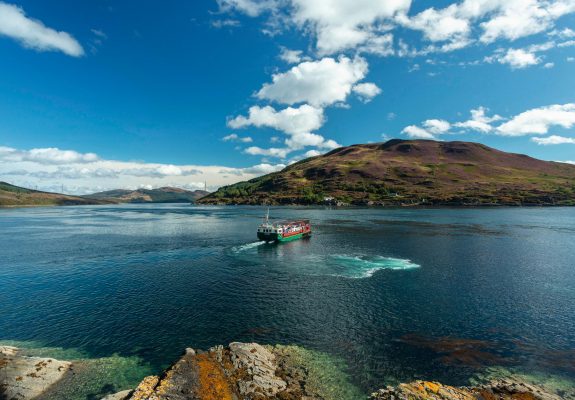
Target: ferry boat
x,y
283,231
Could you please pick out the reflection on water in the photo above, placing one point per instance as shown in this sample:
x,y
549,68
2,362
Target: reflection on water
x,y
397,294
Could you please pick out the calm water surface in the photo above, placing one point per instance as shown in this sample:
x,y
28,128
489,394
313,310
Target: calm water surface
x,y
398,294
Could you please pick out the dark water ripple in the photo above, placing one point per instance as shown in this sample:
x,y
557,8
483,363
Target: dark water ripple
x,y
399,294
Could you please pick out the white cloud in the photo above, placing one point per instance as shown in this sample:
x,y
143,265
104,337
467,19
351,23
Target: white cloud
x,y
292,56
479,121
253,8
366,91
570,59
318,83
553,140
297,123
439,25
312,153
235,138
262,169
497,19
537,121
516,19
340,25
430,128
271,152
34,34
415,132
568,162
81,175
160,171
515,58
437,126
381,45
290,120
562,34
549,65
50,155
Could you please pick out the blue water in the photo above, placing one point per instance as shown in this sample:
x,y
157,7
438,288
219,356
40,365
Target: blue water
x,y
399,294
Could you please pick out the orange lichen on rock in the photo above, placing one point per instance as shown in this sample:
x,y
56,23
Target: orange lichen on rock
x,y
431,386
497,390
213,384
146,388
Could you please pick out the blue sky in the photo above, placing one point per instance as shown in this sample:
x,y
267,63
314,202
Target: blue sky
x,y
101,94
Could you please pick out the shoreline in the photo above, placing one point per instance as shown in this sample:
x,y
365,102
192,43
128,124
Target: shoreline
x,y
243,371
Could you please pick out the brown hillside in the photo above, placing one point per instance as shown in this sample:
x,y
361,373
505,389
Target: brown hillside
x,y
409,172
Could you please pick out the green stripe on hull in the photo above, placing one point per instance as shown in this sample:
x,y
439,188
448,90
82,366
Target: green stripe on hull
x,y
290,238
274,237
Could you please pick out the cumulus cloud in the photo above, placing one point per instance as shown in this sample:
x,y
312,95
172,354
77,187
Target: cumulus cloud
x,y
271,152
553,140
292,56
297,123
50,155
479,121
339,25
292,121
497,19
261,169
415,132
318,83
33,34
538,121
447,24
81,175
381,45
235,138
312,153
366,91
515,58
429,130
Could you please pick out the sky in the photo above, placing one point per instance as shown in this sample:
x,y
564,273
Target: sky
x,y
106,94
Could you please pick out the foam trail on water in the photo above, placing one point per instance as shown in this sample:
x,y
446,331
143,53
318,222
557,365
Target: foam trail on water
x,y
244,247
360,266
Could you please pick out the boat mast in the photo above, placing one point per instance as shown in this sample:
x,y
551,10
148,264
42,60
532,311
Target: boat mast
x,y
268,216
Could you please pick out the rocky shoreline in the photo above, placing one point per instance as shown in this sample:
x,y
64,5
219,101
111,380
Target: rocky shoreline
x,y
247,371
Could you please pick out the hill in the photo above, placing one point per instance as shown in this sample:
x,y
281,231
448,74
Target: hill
x,y
161,195
11,195
410,172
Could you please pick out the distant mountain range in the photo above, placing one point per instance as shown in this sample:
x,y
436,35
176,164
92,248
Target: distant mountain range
x,y
161,195
11,195
410,172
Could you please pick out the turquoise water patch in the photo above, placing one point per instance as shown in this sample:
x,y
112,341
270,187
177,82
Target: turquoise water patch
x,y
361,266
93,378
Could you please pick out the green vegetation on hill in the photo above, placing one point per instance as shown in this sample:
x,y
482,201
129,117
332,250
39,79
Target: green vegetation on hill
x,y
410,172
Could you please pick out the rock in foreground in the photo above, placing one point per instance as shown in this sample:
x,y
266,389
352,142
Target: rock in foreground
x,y
239,371
498,390
23,377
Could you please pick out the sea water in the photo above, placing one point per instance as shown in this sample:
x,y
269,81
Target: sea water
x,y
392,294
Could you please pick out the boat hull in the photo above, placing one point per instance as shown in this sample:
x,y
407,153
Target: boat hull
x,y
274,237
